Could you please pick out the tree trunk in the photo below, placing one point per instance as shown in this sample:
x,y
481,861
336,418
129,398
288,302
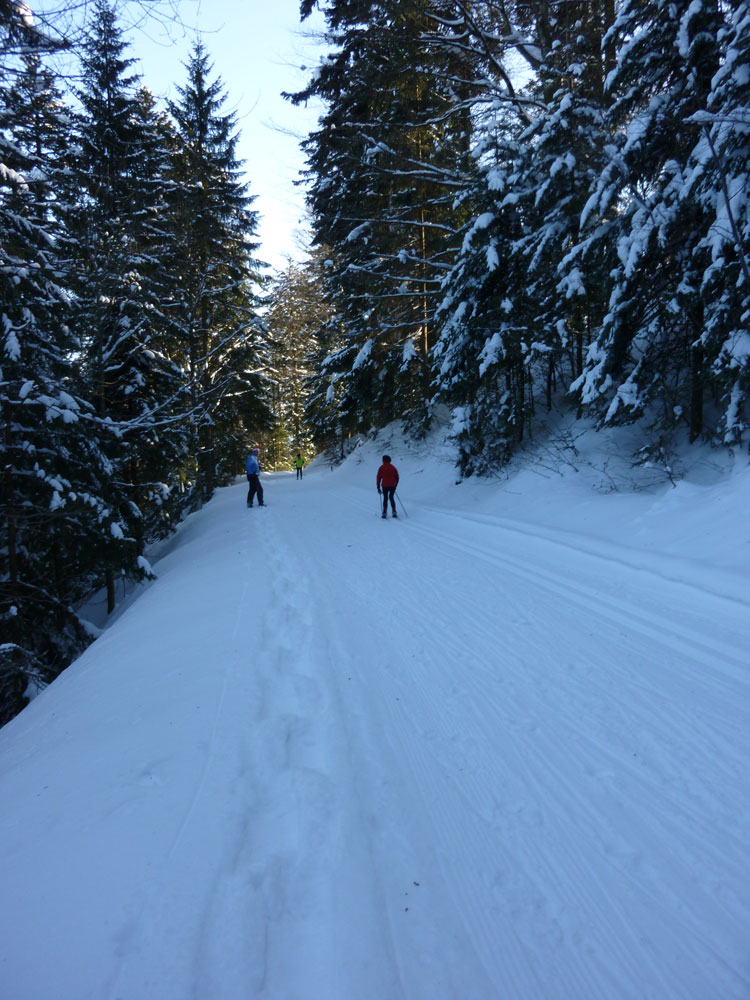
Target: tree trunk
x,y
110,584
696,392
12,529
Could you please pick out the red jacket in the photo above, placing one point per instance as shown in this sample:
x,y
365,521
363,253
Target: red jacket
x,y
387,475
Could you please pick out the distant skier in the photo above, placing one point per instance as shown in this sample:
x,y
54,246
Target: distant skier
x,y
388,479
252,468
299,465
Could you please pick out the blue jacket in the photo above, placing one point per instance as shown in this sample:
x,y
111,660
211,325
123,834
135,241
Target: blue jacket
x,y
252,465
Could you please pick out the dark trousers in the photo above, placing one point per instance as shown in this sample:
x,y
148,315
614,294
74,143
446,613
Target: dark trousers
x,y
254,480
389,492
299,473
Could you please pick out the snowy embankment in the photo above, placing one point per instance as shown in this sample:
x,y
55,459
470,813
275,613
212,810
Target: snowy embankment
x,y
497,750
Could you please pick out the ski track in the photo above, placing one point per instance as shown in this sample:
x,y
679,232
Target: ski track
x,y
443,758
530,887
671,569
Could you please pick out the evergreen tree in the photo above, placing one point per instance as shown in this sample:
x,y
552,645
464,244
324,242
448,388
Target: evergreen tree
x,y
216,334
651,357
517,309
720,182
560,158
52,506
295,321
154,430
109,228
381,198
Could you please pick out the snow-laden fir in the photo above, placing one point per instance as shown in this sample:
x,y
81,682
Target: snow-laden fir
x,y
495,749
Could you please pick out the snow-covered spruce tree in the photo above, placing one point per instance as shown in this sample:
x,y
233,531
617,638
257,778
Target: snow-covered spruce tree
x,y
479,370
480,358
560,158
326,415
720,181
515,315
52,506
109,228
294,319
381,166
155,431
653,356
216,334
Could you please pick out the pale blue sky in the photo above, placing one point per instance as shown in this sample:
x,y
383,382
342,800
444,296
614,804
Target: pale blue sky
x,y
257,48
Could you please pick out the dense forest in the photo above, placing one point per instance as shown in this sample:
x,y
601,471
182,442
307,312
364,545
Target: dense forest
x,y
531,201
514,205
132,354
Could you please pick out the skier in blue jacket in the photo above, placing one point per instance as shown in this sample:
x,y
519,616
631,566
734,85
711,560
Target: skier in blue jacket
x,y
252,468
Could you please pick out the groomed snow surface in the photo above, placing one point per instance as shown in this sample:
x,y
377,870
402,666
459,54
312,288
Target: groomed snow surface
x,y
495,750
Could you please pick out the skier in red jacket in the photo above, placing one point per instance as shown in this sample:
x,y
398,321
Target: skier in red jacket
x,y
388,479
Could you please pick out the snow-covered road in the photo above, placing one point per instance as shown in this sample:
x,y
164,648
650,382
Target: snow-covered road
x,y
323,757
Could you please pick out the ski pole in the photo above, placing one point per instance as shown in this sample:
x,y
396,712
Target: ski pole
x,y
402,505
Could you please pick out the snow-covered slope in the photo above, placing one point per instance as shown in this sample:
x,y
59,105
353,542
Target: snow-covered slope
x,y
497,749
